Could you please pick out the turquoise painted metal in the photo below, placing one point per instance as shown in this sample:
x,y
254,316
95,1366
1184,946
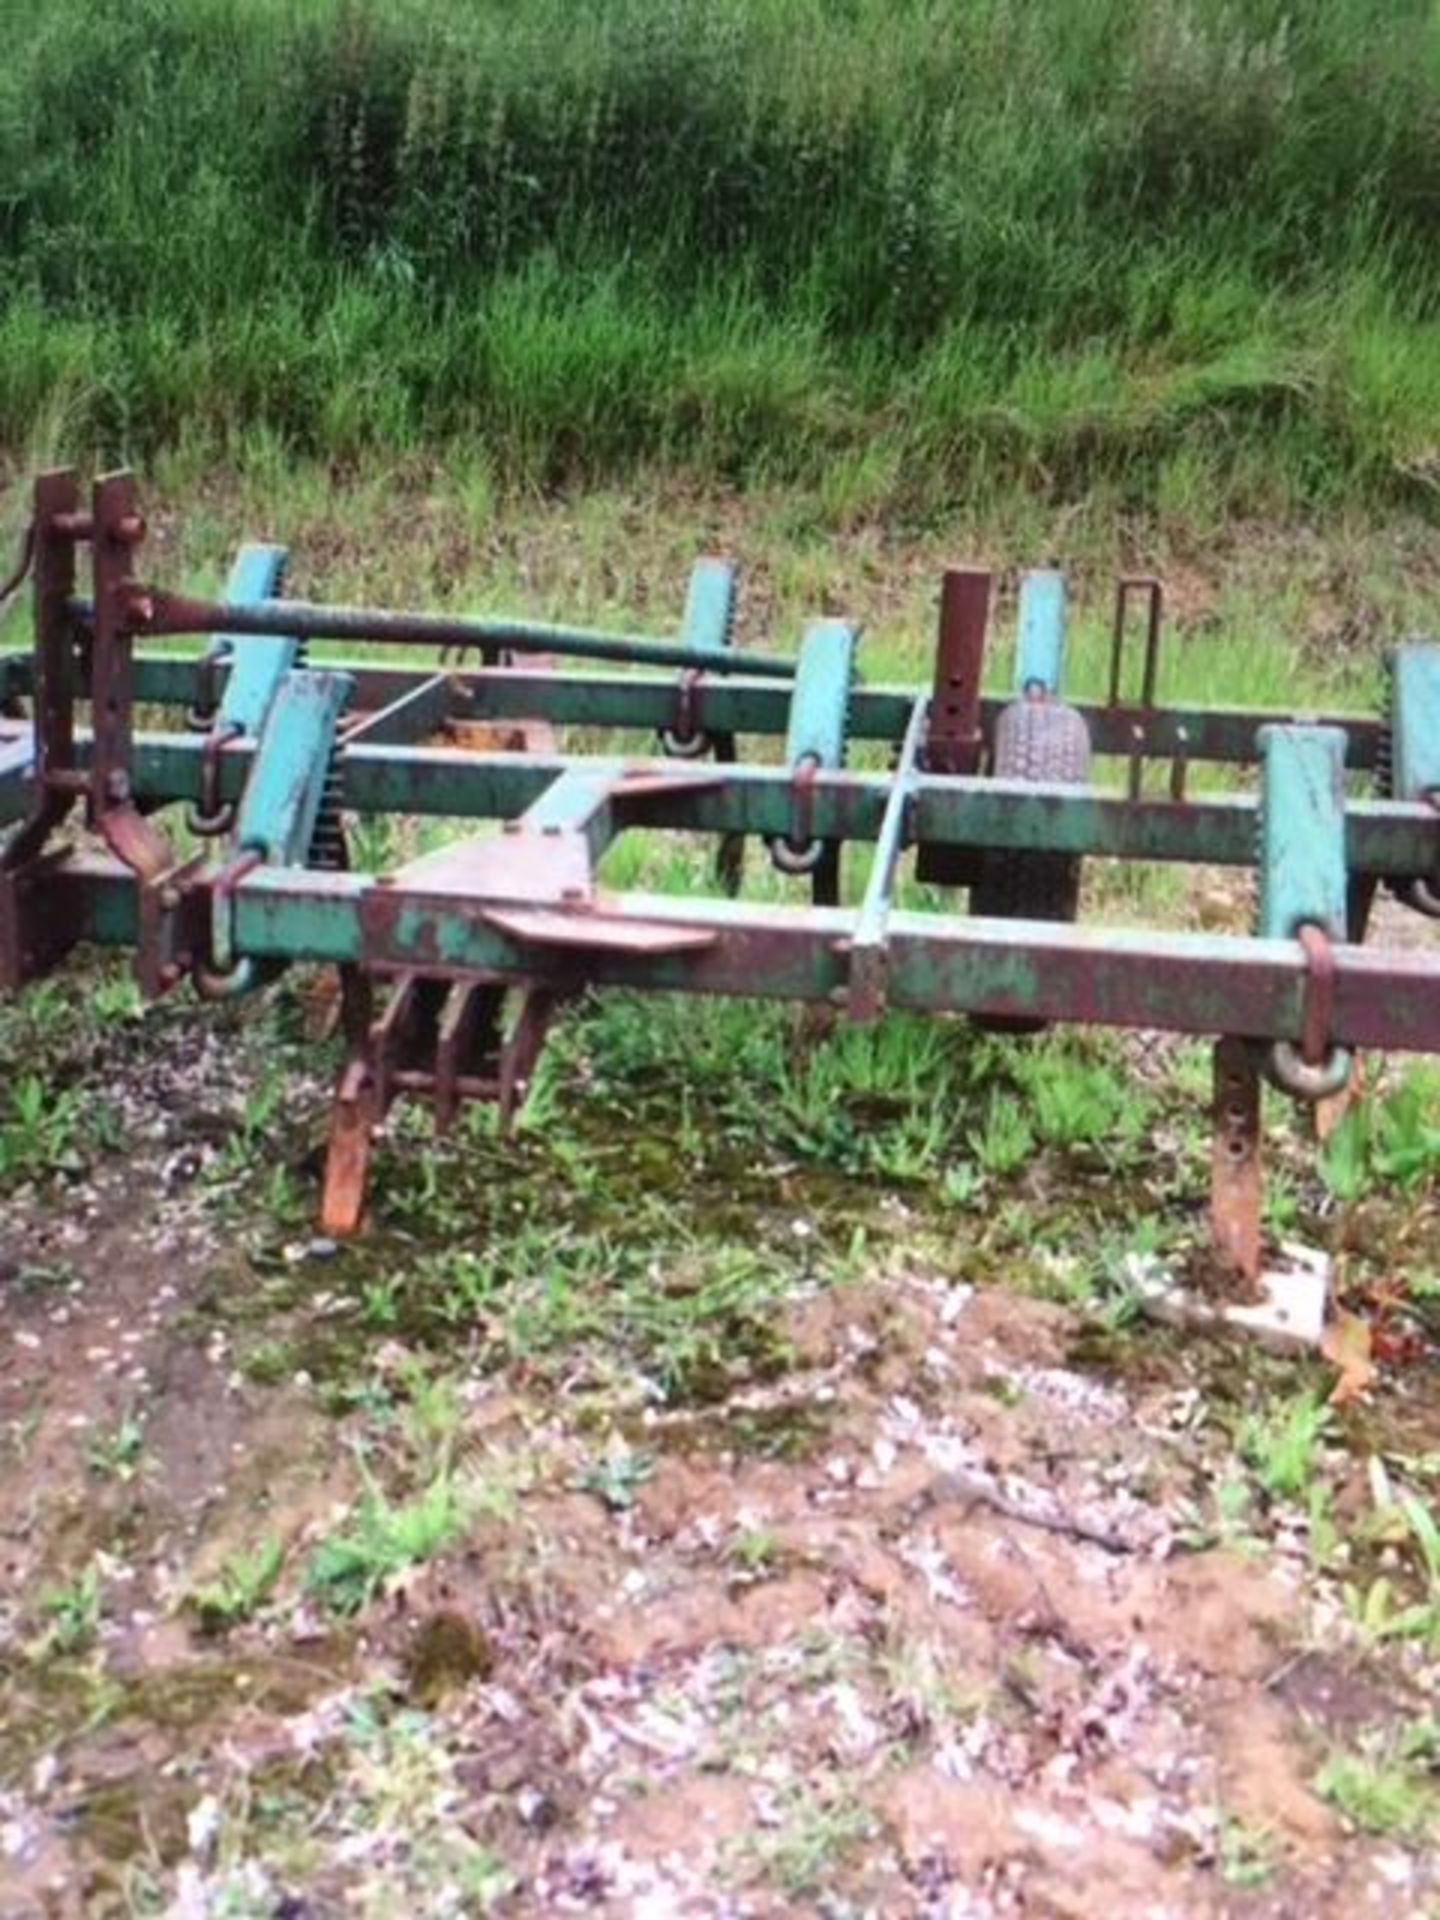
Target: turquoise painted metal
x,y
820,698
516,904
1415,720
1040,643
258,666
283,795
1303,878
709,621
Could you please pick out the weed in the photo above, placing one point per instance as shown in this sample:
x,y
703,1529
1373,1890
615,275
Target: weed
x,y
240,1588
39,1125
1066,242
1281,1446
74,1615
1246,1856
117,1455
1075,1099
754,1553
1005,1142
617,1477
808,1845
350,1568
1379,1791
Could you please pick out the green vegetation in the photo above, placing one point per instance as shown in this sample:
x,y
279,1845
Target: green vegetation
x,y
73,1611
889,248
1384,1789
240,1588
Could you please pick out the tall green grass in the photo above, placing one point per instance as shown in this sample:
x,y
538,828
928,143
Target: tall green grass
x,y
905,248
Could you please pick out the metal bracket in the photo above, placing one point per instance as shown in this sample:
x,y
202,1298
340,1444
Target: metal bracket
x,y
954,742
1304,890
815,742
709,623
1415,749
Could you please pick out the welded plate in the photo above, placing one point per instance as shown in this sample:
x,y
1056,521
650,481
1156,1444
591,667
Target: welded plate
x,y
523,867
597,932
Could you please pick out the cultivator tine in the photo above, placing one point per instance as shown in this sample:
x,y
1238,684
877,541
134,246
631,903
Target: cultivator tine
x,y
354,1116
466,1038
522,1050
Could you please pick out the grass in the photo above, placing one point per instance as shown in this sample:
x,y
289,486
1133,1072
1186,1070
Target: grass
x,y
1380,1791
240,1588
887,251
349,1568
73,1611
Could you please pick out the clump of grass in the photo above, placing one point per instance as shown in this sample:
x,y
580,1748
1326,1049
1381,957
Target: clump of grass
x,y
241,1587
383,1539
1282,1444
1380,1792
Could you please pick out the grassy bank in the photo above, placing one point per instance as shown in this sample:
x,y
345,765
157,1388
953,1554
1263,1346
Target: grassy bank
x,y
901,251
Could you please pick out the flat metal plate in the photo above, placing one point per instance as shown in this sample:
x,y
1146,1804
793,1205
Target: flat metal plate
x,y
597,931
539,869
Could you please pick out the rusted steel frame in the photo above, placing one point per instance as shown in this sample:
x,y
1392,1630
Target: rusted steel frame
x,y
1235,1166
117,531
154,611
1218,735
37,931
868,959
1189,983
465,1043
1127,586
955,738
57,499
1319,995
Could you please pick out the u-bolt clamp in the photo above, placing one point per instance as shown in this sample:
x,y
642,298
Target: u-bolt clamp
x,y
211,816
200,716
1424,895
224,975
682,739
800,851
1314,1070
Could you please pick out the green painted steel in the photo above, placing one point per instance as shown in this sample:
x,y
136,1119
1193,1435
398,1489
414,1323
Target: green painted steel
x,y
288,769
308,620
709,622
737,705
1389,838
257,667
820,699
1194,983
579,800
1301,856
1415,720
1040,641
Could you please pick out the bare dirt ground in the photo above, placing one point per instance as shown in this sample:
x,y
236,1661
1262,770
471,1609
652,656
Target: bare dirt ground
x,y
939,1617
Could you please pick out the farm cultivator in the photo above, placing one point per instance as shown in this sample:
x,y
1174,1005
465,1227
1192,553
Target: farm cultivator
x,y
453,965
